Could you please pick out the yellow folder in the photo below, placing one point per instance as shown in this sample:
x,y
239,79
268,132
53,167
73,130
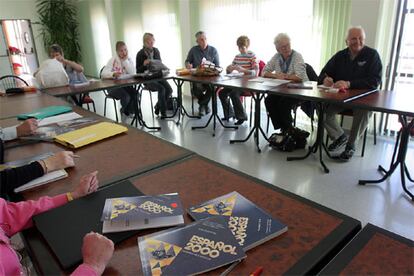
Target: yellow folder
x,y
87,135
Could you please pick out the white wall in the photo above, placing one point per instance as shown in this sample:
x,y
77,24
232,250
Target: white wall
x,y
365,13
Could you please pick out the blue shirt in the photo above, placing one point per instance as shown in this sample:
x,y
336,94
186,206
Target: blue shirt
x,y
196,55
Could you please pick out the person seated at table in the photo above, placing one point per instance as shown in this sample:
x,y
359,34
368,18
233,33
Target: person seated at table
x,y
145,56
194,58
286,64
355,67
245,63
118,66
97,250
13,178
73,69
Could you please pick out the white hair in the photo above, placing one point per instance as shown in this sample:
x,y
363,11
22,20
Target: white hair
x,y
355,28
281,37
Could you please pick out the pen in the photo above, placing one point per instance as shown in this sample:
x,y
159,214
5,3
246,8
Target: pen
x,y
75,156
257,272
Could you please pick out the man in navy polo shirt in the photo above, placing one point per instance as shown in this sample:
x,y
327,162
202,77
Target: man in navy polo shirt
x,y
194,59
356,67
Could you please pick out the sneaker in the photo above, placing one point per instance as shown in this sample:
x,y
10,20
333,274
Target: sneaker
x,y
124,118
338,143
207,109
347,154
201,111
240,122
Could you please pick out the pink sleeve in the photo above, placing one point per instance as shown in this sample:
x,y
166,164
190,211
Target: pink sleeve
x,y
84,270
18,216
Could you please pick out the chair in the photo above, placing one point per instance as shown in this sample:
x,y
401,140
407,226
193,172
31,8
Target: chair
x,y
86,99
12,81
107,96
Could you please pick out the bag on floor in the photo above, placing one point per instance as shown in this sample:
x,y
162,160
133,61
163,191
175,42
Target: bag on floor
x,y
286,142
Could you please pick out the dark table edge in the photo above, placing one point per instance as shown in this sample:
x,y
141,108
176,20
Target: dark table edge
x,y
314,260
355,246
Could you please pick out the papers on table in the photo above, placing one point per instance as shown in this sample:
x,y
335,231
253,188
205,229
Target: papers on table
x,y
328,88
269,81
47,178
235,74
58,119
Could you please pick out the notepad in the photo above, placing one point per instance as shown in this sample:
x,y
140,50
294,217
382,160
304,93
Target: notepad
x,y
45,112
47,178
87,135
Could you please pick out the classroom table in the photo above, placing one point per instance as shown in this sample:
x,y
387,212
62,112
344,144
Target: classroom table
x,y
115,158
315,235
374,251
394,102
15,104
211,82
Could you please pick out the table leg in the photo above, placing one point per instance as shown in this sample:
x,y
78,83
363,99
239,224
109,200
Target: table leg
x,y
400,159
138,118
214,115
180,107
257,128
318,145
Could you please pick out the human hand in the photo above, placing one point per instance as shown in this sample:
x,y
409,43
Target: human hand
x,y
88,184
116,74
97,250
328,81
147,61
60,160
26,128
341,84
60,59
280,76
188,65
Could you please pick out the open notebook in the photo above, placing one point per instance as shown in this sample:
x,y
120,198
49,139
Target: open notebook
x,y
47,178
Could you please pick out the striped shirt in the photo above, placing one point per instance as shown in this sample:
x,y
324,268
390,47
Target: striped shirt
x,y
247,61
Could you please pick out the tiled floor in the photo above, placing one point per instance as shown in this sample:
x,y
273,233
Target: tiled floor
x,y
384,204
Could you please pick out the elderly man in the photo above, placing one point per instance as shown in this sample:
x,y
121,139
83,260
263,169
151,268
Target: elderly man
x,y
194,59
286,64
356,67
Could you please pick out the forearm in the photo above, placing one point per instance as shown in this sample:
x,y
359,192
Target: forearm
x,y
77,67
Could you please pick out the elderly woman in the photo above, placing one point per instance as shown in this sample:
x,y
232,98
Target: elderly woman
x,y
244,62
286,64
145,56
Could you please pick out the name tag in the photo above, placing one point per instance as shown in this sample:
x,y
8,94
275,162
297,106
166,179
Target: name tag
x,y
361,63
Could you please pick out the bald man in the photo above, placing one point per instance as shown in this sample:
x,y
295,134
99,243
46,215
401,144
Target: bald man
x,y
356,67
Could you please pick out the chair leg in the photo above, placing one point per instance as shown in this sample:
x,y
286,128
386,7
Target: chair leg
x,y
312,119
251,111
364,142
375,129
152,105
94,107
87,106
342,120
192,105
105,106
294,117
268,123
116,111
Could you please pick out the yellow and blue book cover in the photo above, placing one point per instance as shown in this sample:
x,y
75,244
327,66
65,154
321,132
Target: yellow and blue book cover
x,y
250,224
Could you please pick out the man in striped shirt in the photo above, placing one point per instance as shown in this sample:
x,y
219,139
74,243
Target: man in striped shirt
x,y
245,63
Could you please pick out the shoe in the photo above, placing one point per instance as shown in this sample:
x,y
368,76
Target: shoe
x,y
157,109
297,133
201,111
347,154
338,143
124,118
225,119
240,122
207,109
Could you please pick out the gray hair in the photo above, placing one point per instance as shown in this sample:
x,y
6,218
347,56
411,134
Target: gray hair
x,y
280,37
355,28
199,33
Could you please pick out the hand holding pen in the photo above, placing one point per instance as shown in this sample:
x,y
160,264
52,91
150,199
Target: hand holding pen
x,y
328,81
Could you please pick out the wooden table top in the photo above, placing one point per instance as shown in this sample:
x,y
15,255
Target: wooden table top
x,y
115,158
13,105
314,236
374,251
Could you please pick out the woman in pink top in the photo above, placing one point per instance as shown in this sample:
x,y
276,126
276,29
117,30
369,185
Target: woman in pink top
x,y
14,217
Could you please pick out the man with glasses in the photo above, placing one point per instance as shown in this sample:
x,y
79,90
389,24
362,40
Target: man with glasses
x,y
356,67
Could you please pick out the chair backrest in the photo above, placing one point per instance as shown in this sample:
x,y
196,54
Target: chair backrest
x,y
100,72
312,76
11,81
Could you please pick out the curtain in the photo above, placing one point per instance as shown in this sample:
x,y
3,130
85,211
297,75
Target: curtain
x,y
331,19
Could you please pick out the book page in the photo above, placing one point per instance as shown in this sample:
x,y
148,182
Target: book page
x,y
58,118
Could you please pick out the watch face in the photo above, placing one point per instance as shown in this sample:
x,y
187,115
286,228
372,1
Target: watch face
x,y
26,37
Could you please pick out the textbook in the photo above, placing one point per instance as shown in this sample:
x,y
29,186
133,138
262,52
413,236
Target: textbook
x,y
90,134
192,249
47,178
249,224
141,212
45,112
